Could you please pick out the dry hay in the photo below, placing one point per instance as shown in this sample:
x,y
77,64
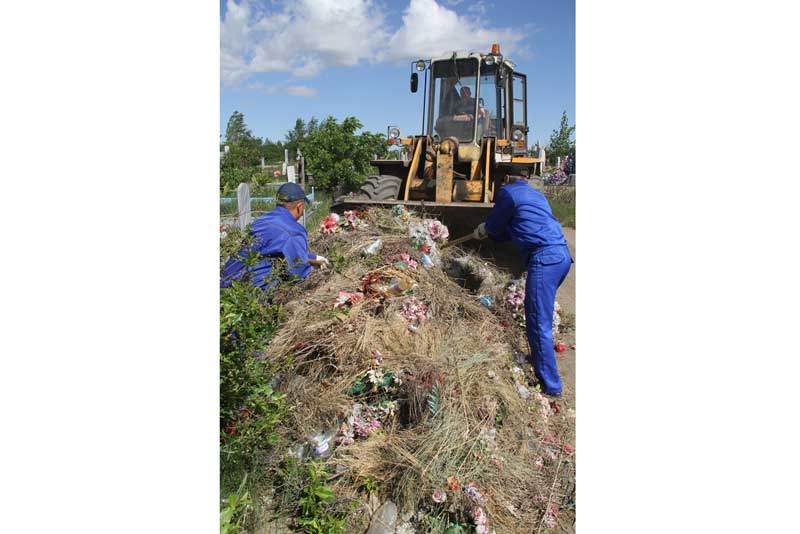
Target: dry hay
x,y
460,414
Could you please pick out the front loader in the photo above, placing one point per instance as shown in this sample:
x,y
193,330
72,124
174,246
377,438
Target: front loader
x,y
475,132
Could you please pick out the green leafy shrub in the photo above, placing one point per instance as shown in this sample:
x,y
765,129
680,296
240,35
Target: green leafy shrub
x,y
232,515
250,410
337,156
316,513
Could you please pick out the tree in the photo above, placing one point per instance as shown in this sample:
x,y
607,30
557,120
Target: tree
x,y
336,156
243,157
560,143
295,137
298,135
236,130
272,152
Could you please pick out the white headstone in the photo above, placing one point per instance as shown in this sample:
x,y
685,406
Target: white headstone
x,y
243,202
284,169
290,174
542,158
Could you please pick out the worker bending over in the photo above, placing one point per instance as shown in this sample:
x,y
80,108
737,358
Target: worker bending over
x,y
276,234
521,214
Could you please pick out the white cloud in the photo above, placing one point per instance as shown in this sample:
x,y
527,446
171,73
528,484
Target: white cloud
x,y
300,90
304,37
300,39
479,8
430,29
282,88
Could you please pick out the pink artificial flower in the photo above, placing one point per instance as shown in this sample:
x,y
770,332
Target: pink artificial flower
x,y
351,219
405,258
329,224
345,298
569,449
364,428
436,230
479,516
439,496
414,310
550,516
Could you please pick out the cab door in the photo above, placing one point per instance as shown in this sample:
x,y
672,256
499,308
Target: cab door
x,y
519,112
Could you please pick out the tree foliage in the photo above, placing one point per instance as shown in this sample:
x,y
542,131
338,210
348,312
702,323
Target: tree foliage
x,y
297,136
242,161
560,141
334,153
337,156
237,130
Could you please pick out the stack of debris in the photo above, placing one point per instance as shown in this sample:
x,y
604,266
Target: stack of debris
x,y
400,375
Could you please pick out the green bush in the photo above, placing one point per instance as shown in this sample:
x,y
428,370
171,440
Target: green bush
x,y
250,410
337,156
317,515
232,515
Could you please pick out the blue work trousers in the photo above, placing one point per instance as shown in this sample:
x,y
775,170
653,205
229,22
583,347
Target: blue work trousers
x,y
547,268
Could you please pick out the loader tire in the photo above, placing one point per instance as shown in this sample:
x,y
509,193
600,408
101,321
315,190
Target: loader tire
x,y
382,187
371,184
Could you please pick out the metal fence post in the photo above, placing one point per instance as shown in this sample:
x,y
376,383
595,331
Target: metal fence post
x,y
243,204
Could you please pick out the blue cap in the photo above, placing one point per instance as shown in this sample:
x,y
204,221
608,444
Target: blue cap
x,y
289,192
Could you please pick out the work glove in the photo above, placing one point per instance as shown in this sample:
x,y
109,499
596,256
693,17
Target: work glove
x,y
480,232
322,262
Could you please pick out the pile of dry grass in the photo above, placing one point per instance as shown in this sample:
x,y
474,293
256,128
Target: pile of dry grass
x,y
456,409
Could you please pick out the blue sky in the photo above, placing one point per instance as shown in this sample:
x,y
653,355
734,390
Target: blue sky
x,y
284,60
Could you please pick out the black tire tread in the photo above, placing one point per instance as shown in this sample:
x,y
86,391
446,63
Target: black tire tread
x,y
382,187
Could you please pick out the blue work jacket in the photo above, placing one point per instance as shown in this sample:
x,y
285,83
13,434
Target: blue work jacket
x,y
522,214
275,234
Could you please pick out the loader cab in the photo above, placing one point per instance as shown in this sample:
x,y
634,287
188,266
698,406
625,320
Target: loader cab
x,y
454,106
496,104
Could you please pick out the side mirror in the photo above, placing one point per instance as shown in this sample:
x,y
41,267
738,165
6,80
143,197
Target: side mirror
x,y
414,82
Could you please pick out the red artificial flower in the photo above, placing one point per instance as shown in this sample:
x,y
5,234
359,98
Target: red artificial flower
x,y
453,484
560,347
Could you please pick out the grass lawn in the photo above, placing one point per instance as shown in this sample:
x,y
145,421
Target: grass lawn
x,y
562,202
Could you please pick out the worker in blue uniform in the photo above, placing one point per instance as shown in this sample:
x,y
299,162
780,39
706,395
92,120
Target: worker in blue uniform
x,y
522,215
276,234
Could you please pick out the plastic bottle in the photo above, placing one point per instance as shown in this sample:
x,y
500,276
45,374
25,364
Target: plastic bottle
x,y
373,248
486,300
